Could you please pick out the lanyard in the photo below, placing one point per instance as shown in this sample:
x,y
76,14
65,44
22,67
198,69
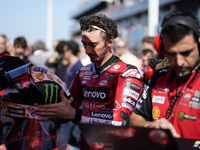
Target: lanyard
x,y
182,91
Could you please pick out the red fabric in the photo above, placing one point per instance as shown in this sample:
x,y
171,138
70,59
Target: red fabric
x,y
185,115
159,47
106,95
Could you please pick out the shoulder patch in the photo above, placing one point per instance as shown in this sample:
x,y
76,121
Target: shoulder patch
x,y
131,73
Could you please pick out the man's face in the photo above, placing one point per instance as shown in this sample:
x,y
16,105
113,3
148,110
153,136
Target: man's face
x,y
183,55
2,44
19,50
96,47
120,48
146,58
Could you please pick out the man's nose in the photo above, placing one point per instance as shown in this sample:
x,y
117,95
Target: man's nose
x,y
179,60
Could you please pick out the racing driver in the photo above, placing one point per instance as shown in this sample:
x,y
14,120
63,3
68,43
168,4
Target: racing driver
x,y
108,87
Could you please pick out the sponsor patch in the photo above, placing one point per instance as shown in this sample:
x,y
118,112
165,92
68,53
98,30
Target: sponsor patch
x,y
83,82
128,106
128,100
103,82
182,116
117,105
138,106
132,86
81,74
116,67
97,94
144,93
87,78
187,97
161,89
89,120
88,73
19,111
158,99
102,115
95,77
130,93
131,73
92,105
110,76
156,112
85,68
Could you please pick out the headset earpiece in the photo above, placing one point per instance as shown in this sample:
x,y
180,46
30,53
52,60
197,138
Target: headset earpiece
x,y
159,45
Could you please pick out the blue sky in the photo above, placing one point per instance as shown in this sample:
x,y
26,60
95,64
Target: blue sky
x,y
28,18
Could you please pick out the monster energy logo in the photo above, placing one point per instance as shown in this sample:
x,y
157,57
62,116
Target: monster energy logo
x,y
49,91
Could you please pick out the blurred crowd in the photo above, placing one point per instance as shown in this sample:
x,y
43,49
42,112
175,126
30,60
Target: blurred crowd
x,y
68,55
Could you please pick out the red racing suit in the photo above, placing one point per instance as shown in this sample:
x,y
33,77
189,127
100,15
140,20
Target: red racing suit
x,y
109,94
184,112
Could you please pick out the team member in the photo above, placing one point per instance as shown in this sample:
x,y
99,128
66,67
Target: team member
x,y
172,101
108,88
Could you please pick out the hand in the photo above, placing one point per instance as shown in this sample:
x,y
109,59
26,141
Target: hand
x,y
62,111
163,124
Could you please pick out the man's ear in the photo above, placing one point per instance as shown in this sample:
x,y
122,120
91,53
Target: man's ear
x,y
109,42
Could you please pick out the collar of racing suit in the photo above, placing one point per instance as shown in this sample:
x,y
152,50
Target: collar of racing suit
x,y
113,59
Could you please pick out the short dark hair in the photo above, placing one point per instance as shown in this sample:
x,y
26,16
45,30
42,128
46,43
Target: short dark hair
x,y
60,46
174,31
101,21
73,46
20,41
145,51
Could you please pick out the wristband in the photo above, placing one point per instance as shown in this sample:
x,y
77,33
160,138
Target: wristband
x,y
77,117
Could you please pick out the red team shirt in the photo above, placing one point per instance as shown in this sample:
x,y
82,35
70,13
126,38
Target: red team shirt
x,y
155,102
109,95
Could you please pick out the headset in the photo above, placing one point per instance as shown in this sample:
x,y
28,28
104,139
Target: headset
x,y
158,41
176,20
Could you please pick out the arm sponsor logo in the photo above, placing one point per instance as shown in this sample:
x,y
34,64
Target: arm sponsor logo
x,y
128,100
129,107
130,93
132,86
131,73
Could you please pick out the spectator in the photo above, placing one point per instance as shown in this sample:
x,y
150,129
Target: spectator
x,y
20,45
148,43
84,58
3,42
146,56
121,50
108,86
71,53
58,61
40,55
172,99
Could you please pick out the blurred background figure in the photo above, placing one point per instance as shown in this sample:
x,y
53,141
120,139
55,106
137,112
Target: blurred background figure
x,y
20,46
40,55
58,61
149,43
146,56
71,53
84,58
5,47
121,50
